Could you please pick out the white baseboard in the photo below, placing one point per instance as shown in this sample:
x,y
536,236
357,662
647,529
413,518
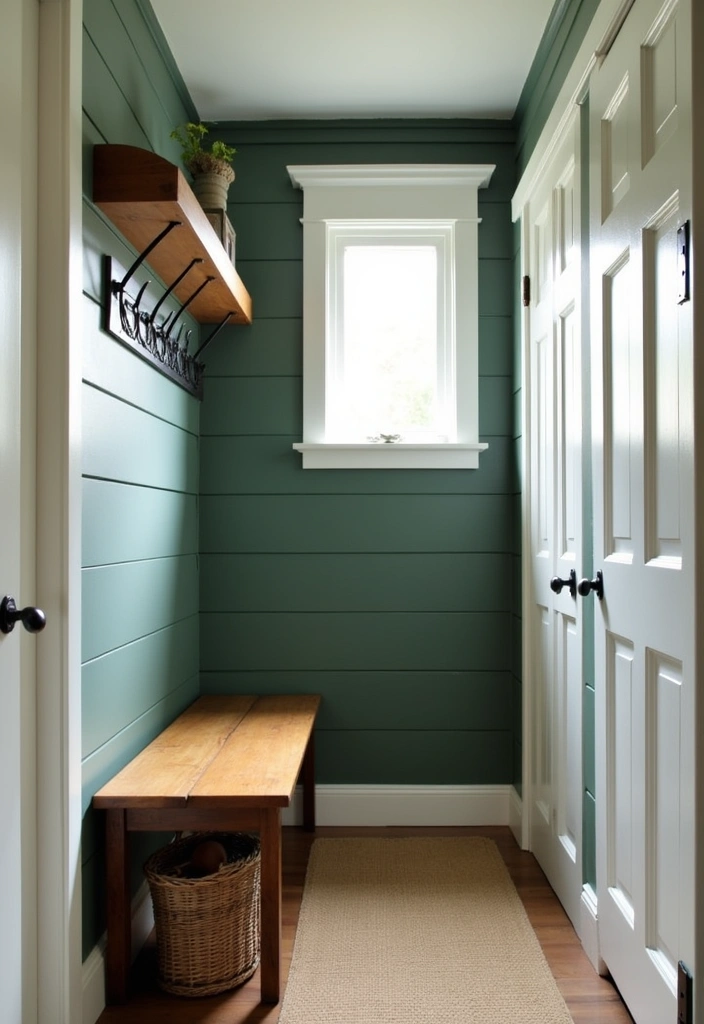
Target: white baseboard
x,y
404,805
589,933
94,966
515,816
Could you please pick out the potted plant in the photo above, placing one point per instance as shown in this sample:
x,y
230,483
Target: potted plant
x,y
211,168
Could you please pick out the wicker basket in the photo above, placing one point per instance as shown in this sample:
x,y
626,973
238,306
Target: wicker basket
x,y
207,929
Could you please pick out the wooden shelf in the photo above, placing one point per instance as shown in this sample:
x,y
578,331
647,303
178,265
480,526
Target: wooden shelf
x,y
141,193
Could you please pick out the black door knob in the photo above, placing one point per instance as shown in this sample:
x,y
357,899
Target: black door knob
x,y
585,587
33,619
556,584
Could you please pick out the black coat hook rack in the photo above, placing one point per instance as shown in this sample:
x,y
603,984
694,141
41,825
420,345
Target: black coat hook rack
x,y
152,336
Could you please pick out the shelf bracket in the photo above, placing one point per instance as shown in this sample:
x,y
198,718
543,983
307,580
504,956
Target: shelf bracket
x,y
214,334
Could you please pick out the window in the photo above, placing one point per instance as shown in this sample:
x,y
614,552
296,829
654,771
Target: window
x,y
390,316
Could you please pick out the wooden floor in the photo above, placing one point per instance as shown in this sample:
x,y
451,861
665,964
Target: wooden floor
x,y
591,999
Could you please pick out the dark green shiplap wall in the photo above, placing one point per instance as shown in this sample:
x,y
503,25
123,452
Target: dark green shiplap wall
x,y
388,592
140,468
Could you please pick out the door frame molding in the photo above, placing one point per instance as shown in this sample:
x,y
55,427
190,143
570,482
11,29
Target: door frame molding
x,y
605,23
59,342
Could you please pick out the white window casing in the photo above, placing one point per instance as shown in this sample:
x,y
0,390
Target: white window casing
x,y
418,204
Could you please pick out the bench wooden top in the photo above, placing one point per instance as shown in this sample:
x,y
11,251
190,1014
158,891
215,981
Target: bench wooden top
x,y
221,752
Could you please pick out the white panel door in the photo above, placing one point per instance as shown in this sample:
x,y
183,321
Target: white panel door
x,y
640,167
553,248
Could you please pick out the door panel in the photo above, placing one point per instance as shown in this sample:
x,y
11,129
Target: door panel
x,y
642,415
556,512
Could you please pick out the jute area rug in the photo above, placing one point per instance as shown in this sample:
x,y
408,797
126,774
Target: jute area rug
x,y
416,931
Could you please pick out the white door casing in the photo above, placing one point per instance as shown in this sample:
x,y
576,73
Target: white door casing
x,y
18,63
643,472
553,357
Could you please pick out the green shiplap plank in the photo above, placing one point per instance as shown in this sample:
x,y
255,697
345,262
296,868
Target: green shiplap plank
x,y
589,841
253,405
276,286
105,104
267,231
105,762
386,700
90,137
516,584
404,758
124,684
342,523
129,69
368,131
113,368
262,175
269,465
450,641
517,646
124,602
517,413
496,296
266,347
127,444
495,407
589,740
517,466
518,767
142,845
516,524
177,104
547,76
495,346
517,709
495,229
123,523
355,583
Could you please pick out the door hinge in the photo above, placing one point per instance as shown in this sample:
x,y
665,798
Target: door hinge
x,y
526,291
685,999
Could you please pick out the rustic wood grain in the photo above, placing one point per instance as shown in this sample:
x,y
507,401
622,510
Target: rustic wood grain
x,y
271,927
165,772
141,193
261,762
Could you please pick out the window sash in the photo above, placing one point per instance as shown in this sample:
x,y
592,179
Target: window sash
x,y
438,235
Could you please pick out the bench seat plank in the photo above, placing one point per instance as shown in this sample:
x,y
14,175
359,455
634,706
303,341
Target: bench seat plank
x,y
164,773
260,763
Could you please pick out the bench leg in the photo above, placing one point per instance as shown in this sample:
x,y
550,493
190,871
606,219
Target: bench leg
x,y
119,938
270,833
308,779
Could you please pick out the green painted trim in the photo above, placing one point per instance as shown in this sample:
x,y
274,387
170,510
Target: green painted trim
x,y
157,34
543,54
535,106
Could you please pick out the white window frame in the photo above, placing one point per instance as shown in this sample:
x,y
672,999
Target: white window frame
x,y
393,197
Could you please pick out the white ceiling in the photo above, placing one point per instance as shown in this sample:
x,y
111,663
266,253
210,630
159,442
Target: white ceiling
x,y
260,59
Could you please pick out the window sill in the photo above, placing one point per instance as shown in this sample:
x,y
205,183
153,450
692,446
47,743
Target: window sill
x,y
390,456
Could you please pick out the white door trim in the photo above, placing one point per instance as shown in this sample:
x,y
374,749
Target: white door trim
x,y
607,16
59,270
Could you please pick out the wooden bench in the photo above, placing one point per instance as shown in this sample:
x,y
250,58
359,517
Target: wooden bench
x,y
227,763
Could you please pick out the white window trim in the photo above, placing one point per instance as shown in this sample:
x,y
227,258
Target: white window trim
x,y
402,193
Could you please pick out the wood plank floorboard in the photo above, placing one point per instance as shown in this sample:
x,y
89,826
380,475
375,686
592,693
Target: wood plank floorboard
x,y
590,999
